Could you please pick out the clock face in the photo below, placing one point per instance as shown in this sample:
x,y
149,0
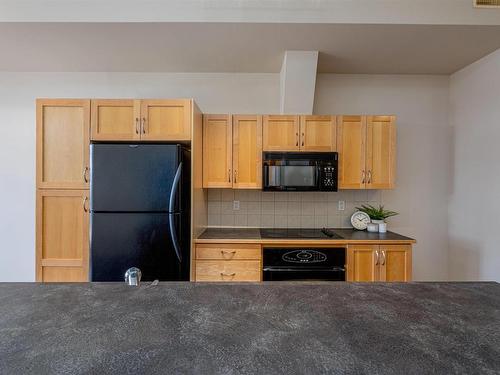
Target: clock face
x,y
360,220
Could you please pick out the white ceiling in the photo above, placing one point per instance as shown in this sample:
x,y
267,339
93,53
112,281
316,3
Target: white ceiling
x,y
236,47
412,12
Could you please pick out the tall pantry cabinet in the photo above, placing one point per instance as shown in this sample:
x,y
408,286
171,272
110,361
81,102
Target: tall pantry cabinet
x,y
62,181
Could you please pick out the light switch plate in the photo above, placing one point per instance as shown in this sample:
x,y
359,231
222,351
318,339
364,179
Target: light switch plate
x,y
236,205
341,205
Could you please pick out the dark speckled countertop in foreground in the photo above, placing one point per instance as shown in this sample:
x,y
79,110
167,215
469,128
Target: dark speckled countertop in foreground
x,y
267,328
253,234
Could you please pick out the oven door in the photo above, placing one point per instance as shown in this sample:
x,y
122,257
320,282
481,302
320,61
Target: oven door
x,y
305,274
290,176
304,264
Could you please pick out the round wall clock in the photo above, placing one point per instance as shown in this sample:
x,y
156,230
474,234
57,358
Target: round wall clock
x,y
360,220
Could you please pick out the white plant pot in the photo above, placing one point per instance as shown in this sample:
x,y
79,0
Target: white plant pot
x,y
372,227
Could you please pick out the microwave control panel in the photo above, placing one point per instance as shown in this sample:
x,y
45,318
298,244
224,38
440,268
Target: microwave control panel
x,y
328,177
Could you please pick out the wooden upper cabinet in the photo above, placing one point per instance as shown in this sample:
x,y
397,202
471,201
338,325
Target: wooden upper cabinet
x,y
351,140
217,151
247,152
280,133
395,263
62,240
116,120
166,120
362,263
318,133
380,152
62,143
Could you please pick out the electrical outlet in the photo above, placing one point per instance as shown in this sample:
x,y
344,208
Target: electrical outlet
x,y
341,205
236,205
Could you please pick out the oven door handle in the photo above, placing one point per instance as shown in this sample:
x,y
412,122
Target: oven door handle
x,y
279,269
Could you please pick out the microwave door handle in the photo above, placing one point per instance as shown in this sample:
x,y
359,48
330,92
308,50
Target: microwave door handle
x,y
171,215
266,175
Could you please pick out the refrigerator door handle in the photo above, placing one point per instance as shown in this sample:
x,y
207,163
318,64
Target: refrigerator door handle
x,y
171,207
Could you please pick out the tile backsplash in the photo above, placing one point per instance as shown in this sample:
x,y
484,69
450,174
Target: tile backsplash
x,y
285,209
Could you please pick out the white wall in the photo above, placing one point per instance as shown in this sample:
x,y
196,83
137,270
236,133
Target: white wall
x,y
421,106
420,102
214,93
474,197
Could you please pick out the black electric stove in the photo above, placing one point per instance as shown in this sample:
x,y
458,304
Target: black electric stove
x,y
298,233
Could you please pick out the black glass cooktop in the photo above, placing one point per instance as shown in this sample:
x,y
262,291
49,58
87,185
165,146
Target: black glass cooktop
x,y
298,233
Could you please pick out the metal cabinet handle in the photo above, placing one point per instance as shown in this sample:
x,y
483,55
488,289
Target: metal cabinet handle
x,y
144,125
383,257
137,125
229,175
227,254
369,177
235,174
303,138
85,199
377,258
85,178
363,174
297,139
228,274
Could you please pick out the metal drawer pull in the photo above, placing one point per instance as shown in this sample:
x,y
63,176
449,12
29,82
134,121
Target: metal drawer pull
x,y
297,138
235,173
377,258
84,204
229,175
370,177
144,125
85,178
228,274
363,174
383,257
229,253
137,125
303,138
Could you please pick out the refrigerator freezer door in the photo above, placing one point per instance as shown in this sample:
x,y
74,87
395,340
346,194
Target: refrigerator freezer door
x,y
132,177
123,240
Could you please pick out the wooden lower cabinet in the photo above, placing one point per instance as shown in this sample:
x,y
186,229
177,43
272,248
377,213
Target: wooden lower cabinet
x,y
362,263
62,239
395,263
391,263
228,262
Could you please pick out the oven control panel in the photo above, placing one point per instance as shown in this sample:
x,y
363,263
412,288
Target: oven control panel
x,y
304,256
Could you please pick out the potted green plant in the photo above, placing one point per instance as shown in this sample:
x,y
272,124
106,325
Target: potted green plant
x,y
377,215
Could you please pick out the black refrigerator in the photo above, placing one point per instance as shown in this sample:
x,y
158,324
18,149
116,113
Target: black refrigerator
x,y
139,211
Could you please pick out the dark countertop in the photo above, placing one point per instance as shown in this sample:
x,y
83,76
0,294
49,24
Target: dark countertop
x,y
253,234
269,328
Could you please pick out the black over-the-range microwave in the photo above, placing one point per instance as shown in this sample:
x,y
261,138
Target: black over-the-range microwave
x,y
300,171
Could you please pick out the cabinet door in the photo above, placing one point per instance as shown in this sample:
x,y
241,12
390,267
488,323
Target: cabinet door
x,y
318,133
280,133
380,152
62,241
115,120
62,143
351,140
166,120
395,263
247,152
217,151
363,263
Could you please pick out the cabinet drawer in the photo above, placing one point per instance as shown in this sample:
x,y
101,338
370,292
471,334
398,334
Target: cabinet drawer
x,y
237,270
228,252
